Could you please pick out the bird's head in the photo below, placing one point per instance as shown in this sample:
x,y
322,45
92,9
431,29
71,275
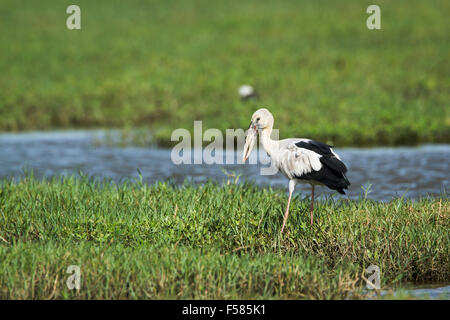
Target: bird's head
x,y
262,119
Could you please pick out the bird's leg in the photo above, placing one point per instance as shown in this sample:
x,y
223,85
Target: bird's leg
x,y
311,209
287,211
291,190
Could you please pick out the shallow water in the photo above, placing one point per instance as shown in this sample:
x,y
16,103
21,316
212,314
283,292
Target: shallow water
x,y
433,293
411,172
425,291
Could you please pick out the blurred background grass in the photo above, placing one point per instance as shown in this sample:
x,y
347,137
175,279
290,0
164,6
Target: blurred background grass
x,y
164,64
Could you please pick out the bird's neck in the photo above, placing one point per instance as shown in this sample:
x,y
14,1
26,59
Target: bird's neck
x,y
269,145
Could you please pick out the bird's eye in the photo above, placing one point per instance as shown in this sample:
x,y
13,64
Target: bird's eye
x,y
257,119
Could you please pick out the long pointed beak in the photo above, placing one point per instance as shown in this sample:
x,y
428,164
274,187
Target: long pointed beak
x,y
250,140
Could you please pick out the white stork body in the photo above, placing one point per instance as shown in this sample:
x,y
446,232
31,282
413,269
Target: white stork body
x,y
300,160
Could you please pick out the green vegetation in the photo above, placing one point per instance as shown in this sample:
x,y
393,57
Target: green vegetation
x,y
164,64
161,241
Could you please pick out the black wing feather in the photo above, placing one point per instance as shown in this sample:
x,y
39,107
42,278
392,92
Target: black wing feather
x,y
334,164
332,173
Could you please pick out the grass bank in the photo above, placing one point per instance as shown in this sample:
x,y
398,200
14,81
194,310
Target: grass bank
x,y
161,241
164,64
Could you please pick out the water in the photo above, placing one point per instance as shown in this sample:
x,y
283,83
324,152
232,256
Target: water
x,y
434,292
424,291
411,172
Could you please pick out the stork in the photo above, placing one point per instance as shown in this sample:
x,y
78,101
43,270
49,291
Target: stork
x,y
300,160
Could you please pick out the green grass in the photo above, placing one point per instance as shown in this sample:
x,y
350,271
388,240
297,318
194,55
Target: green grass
x,y
161,241
164,64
